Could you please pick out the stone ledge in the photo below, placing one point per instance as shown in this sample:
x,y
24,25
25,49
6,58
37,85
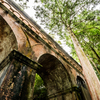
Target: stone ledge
x,y
21,58
69,90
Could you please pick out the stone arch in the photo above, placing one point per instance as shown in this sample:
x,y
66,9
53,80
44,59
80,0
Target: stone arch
x,y
56,78
8,40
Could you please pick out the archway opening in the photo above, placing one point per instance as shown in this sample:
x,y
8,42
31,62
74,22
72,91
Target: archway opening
x,y
84,92
40,91
80,82
55,76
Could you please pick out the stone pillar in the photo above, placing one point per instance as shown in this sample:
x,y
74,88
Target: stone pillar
x,y
18,81
28,88
12,85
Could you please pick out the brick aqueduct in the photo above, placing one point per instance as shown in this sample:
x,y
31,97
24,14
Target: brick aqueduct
x,y
25,49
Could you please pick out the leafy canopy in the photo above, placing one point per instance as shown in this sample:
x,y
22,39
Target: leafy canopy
x,y
78,15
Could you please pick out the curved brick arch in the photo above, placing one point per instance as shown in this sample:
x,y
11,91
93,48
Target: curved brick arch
x,y
56,78
8,40
17,31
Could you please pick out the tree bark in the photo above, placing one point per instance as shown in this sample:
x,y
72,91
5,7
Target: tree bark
x,y
88,71
92,62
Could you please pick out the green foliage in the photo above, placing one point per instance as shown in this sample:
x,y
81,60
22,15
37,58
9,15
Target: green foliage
x,y
90,42
40,92
78,15
22,4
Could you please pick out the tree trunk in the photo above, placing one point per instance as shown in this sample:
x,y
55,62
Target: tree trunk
x,y
88,71
92,62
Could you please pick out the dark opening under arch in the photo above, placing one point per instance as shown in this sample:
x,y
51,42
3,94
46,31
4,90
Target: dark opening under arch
x,y
85,95
80,82
56,78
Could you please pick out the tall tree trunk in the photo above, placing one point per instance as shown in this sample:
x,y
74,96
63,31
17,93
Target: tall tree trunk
x,y
92,62
88,71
